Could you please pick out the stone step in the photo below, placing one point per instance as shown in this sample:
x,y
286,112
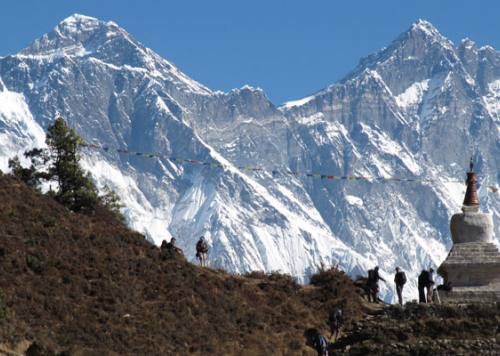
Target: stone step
x,y
479,248
475,244
475,252
479,261
490,250
490,263
474,255
471,254
464,296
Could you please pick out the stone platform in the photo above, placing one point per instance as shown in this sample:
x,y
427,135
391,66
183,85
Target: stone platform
x,y
474,270
470,295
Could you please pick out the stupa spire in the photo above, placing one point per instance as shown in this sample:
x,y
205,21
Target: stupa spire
x,y
471,200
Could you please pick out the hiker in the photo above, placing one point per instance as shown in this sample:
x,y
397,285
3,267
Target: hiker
x,y
400,280
320,344
170,249
336,321
422,278
430,286
373,278
202,251
425,281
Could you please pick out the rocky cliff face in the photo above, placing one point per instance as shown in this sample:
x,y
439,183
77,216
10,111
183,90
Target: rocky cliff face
x,y
418,108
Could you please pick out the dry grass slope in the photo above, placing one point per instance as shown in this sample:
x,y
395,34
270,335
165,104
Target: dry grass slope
x,y
86,285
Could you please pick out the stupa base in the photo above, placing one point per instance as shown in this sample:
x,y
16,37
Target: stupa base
x,y
471,295
473,269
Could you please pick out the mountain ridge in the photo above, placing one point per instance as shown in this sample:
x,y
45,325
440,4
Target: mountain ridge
x,y
388,120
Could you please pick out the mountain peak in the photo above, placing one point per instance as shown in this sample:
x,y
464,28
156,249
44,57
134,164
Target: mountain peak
x,y
83,23
413,44
425,30
80,36
77,35
78,19
77,24
424,26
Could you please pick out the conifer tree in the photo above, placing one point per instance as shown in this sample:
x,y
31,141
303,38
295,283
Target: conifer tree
x,y
76,190
60,163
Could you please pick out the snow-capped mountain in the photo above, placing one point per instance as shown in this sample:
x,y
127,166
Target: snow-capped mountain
x,y
418,108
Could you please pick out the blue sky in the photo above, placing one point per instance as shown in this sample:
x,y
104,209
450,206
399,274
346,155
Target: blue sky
x,y
289,48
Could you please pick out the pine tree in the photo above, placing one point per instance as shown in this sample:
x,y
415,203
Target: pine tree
x,y
60,163
76,190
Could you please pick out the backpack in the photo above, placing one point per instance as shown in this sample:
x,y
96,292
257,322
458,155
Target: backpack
x,y
401,278
201,247
424,277
322,345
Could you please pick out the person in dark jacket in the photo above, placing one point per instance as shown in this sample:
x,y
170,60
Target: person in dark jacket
x,y
425,286
170,249
373,278
430,286
422,281
202,251
336,321
400,280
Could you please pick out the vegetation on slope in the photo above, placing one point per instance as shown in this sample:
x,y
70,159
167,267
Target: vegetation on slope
x,y
87,285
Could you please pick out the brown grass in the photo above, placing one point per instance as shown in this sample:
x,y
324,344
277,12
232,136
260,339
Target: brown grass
x,y
88,285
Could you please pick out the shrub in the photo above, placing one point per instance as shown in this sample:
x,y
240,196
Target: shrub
x,y
111,201
326,278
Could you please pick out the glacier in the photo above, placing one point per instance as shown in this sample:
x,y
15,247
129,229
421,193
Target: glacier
x,y
418,108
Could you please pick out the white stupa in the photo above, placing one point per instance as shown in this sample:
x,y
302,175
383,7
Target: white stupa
x,y
473,264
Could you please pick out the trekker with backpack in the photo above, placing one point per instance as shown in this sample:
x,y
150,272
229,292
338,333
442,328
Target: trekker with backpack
x,y
202,251
373,278
336,321
423,277
430,286
400,280
320,344
170,250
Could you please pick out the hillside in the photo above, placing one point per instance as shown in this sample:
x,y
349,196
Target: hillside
x,y
80,285
256,178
